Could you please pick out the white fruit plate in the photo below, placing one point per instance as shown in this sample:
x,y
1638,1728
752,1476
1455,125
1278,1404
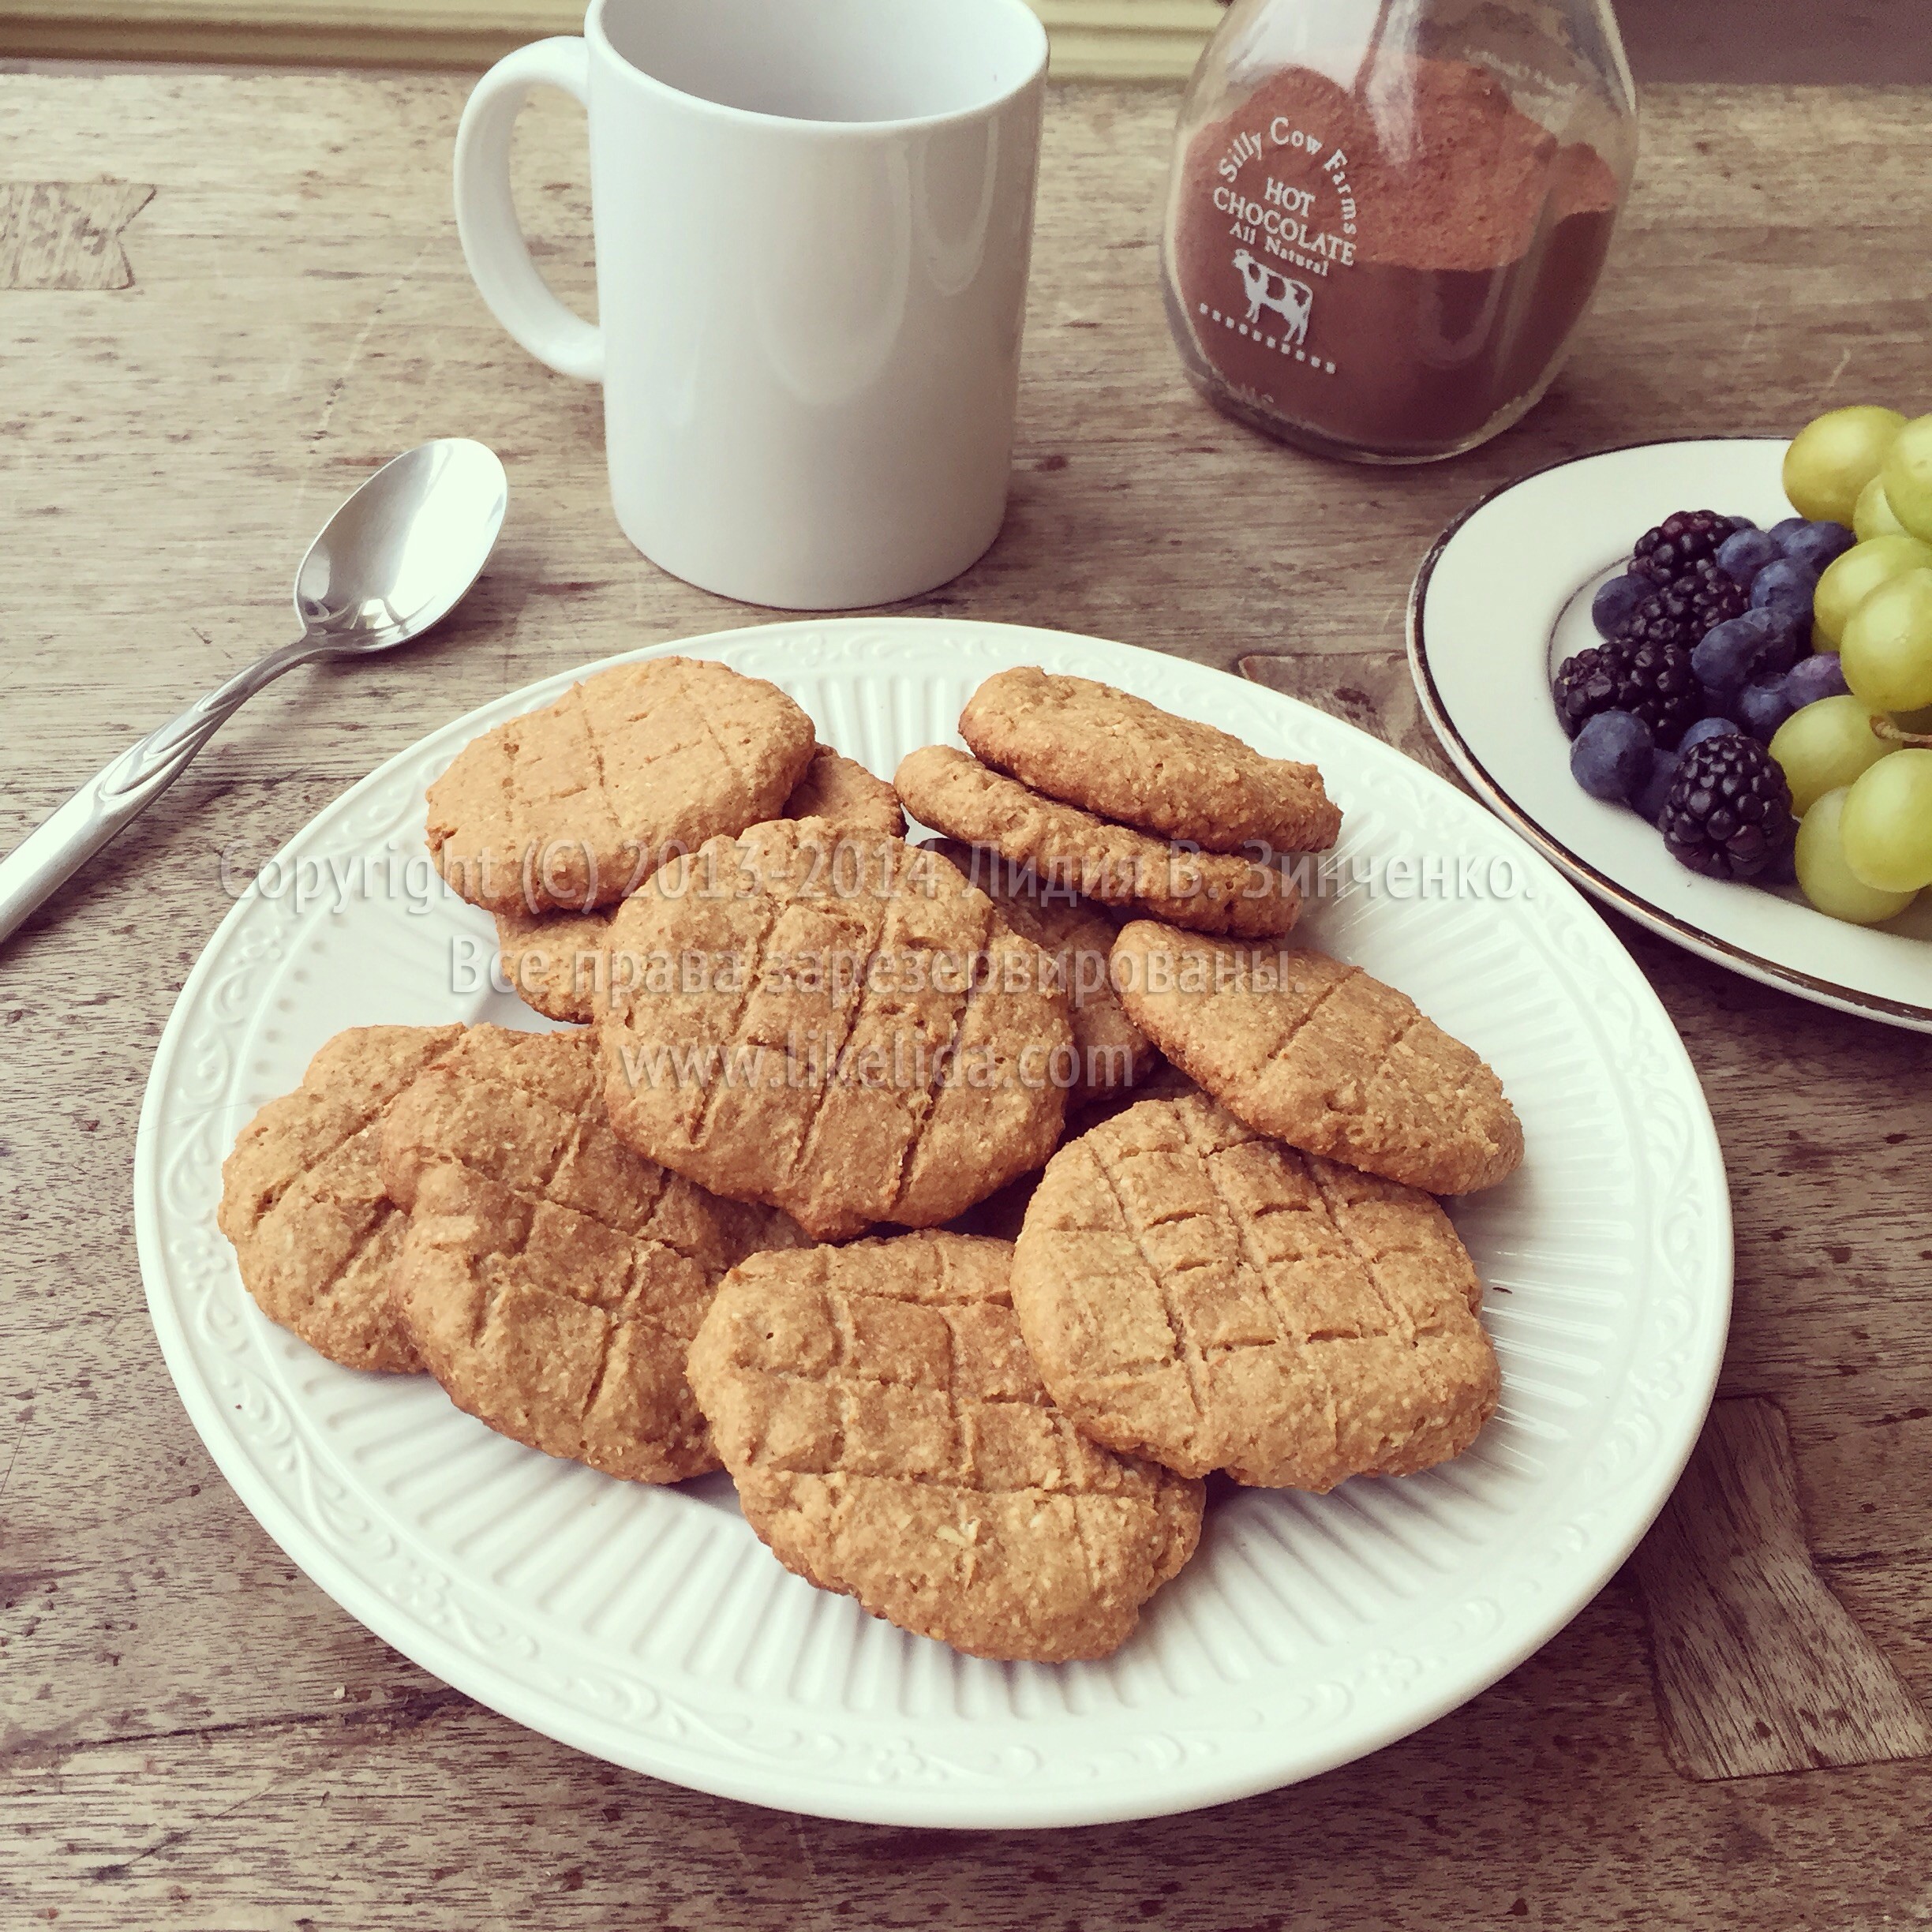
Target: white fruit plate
x,y
650,1626
1504,596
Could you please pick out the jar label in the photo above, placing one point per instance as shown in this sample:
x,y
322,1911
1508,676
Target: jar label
x,y
1280,220
1392,270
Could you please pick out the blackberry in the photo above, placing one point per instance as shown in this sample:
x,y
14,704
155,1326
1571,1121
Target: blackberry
x,y
1728,814
1678,544
1654,682
1682,612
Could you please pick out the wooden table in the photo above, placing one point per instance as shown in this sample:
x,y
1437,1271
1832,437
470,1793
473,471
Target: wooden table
x,y
223,299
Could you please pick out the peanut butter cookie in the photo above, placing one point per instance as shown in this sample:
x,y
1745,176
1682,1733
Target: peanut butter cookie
x,y
550,1280
1112,1054
891,1440
1197,1293
556,961
842,790
1318,1054
841,1028
573,806
1072,850
1111,753
315,1234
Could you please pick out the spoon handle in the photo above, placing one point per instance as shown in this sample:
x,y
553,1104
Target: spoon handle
x,y
58,847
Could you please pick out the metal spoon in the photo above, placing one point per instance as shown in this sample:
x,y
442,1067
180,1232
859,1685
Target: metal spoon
x,y
396,558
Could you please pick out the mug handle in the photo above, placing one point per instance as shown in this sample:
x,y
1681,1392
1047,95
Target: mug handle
x,y
492,240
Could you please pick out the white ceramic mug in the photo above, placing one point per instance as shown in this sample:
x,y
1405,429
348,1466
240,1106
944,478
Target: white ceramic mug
x,y
812,223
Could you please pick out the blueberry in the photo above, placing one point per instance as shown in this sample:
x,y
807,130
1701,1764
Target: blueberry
x,y
1787,639
1723,656
1761,709
1786,588
1648,800
1781,533
1703,728
1813,677
1818,544
1615,601
1745,552
1743,650
1613,756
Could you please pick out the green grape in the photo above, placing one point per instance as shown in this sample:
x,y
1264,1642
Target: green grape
x,y
1834,456
1887,652
1850,578
1827,881
1907,473
1872,514
1825,745
1886,825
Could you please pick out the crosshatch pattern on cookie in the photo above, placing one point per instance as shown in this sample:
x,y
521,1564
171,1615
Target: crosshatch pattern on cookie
x,y
315,1234
558,962
551,1279
1072,849
1112,1052
1112,753
890,1438
573,806
873,1045
1318,1054
1206,1296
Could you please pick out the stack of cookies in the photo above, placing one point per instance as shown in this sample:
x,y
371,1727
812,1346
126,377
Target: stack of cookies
x,y
1090,790
733,1214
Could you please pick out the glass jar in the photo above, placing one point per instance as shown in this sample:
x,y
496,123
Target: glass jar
x,y
1385,218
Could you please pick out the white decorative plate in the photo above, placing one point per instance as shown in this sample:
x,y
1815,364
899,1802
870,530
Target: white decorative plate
x,y
1499,602
649,1626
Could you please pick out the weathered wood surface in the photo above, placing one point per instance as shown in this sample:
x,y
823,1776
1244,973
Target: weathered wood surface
x,y
1758,1666
194,1736
1371,689
66,234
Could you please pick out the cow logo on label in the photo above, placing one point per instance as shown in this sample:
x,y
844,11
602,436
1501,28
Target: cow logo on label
x,y
1267,288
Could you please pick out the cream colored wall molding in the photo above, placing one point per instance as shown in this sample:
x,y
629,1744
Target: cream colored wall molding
x,y
1127,39
1092,39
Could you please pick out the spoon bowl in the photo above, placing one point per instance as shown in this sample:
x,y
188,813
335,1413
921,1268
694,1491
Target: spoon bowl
x,y
404,550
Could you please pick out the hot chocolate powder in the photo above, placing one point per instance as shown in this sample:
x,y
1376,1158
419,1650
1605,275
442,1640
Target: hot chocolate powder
x,y
1388,269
